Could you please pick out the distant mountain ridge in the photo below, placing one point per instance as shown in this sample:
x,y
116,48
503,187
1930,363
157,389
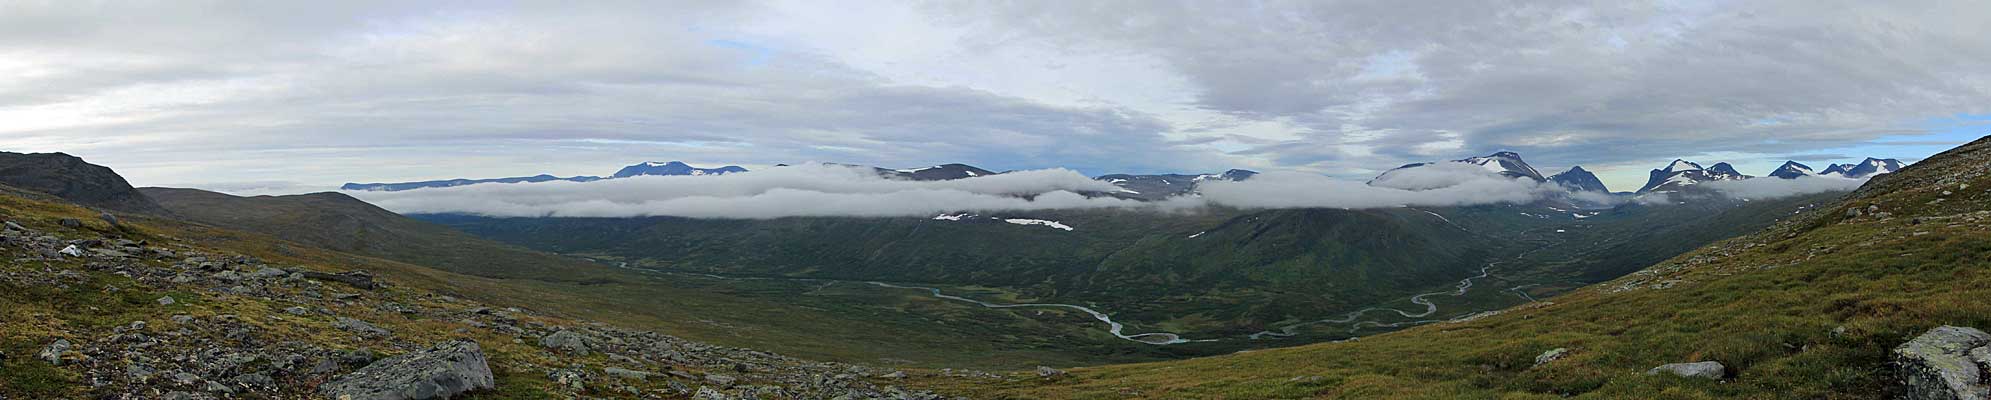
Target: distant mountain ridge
x,y
391,187
1864,169
672,168
1504,163
1791,170
1682,173
1161,186
1579,180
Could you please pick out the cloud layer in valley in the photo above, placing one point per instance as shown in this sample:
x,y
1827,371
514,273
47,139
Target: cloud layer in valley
x,y
1770,188
818,190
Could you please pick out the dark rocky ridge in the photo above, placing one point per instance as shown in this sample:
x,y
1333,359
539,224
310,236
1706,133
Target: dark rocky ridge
x,y
70,178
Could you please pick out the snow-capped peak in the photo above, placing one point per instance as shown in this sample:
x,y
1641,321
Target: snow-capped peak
x,y
1682,165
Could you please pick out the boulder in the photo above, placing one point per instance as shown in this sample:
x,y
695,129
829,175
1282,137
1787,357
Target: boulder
x,y
566,341
71,223
53,353
443,371
1048,372
361,327
625,373
110,219
1945,363
269,273
1550,356
167,301
358,279
1704,369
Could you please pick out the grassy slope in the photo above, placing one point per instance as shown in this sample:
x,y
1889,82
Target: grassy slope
x,y
1766,305
854,324
338,222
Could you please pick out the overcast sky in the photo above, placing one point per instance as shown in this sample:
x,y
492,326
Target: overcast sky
x,y
295,96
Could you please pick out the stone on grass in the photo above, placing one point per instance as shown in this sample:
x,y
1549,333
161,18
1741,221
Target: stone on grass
x,y
1945,363
1704,369
1550,356
566,341
443,371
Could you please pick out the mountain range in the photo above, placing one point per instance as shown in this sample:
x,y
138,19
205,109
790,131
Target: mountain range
x,y
673,168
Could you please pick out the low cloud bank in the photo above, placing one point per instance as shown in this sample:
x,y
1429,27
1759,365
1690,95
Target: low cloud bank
x,y
1295,190
806,190
1770,188
829,190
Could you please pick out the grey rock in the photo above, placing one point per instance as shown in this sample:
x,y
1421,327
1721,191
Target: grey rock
x,y
445,370
566,341
255,380
1551,355
896,375
182,319
186,378
297,311
108,218
140,372
167,301
361,327
1704,369
625,373
268,272
11,226
227,276
721,380
71,223
53,353
1938,364
1048,372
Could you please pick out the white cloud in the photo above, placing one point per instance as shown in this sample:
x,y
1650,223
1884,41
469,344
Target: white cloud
x,y
825,190
1770,188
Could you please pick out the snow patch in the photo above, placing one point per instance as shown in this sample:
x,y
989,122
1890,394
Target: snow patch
x,y
1026,221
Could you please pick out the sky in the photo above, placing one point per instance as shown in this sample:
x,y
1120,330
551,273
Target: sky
x,y
253,97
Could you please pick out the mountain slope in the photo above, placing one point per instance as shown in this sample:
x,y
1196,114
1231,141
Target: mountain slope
x,y
72,179
163,309
1808,308
339,222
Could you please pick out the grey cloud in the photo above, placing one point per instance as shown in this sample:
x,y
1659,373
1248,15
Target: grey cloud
x,y
1573,81
393,91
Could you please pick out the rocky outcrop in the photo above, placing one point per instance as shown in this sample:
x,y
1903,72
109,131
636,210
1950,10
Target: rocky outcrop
x,y
1704,369
566,341
1551,355
1946,363
70,178
442,371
